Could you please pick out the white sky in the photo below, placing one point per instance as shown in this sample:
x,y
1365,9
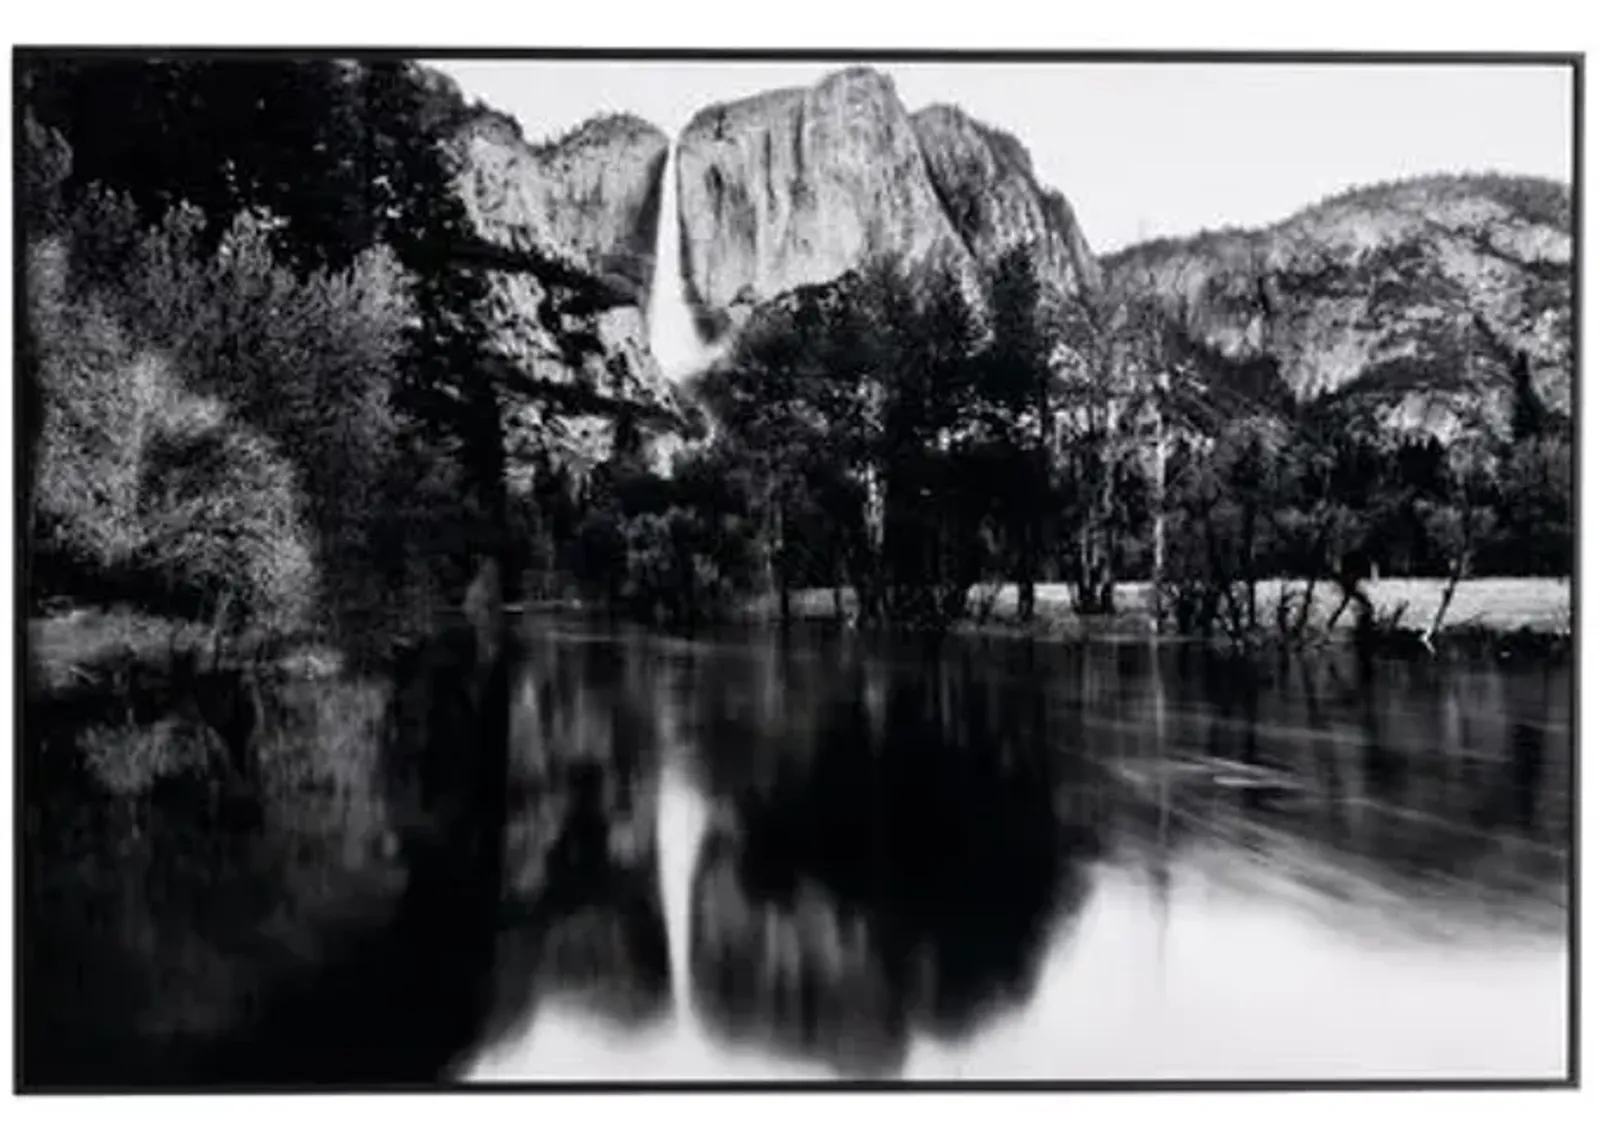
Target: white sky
x,y
1140,150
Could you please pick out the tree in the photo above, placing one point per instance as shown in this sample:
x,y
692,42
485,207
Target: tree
x,y
1016,393
452,381
1459,524
1109,358
858,402
223,136
765,390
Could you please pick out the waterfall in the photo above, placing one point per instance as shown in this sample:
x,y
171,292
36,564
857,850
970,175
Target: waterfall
x,y
674,340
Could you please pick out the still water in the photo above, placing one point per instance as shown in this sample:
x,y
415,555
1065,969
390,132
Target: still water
x,y
1103,863
738,857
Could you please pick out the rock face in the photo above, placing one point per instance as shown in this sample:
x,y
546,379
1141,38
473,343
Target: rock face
x,y
799,186
568,234
590,198
984,179
1413,294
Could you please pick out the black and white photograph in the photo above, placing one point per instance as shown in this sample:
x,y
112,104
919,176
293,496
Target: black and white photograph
x,y
749,570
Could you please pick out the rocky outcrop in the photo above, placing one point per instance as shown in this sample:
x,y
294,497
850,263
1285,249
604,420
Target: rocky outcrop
x,y
800,186
568,233
984,179
1417,295
590,198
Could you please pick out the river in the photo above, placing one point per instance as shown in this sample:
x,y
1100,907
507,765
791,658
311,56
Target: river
x,y
1073,863
739,857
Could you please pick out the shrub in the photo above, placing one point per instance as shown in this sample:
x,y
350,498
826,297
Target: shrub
x,y
95,396
282,416
220,518
307,360
145,487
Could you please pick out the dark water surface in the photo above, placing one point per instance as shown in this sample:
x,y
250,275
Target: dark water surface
x,y
735,858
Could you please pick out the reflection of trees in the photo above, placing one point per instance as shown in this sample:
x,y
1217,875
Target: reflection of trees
x,y
123,839
405,1002
1436,777
414,871
885,882
800,972
750,711
309,898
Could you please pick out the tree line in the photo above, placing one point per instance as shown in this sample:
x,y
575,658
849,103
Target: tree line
x,y
923,440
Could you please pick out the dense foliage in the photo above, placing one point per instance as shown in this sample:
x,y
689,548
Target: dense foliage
x,y
270,256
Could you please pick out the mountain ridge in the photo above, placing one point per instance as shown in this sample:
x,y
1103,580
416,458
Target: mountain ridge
x,y
1403,289
1555,189
1378,288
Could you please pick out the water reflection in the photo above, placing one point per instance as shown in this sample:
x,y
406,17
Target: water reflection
x,y
582,917
618,856
261,880
892,871
905,864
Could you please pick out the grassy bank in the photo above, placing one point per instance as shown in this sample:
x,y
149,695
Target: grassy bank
x,y
1540,606
73,648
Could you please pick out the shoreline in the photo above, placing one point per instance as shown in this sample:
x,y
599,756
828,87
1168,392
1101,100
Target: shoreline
x,y
1495,605
1505,613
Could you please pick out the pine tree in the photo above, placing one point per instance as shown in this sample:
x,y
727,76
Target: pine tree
x,y
1017,378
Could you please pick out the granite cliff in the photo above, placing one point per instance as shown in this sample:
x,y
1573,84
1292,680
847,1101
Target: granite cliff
x,y
786,189
985,180
568,234
799,186
1417,295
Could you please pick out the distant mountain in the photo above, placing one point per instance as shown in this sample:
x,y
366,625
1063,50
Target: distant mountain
x,y
1416,295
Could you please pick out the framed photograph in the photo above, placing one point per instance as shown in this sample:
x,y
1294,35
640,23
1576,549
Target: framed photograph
x,y
760,570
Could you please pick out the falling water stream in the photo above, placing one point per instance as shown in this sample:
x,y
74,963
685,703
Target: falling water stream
x,y
674,339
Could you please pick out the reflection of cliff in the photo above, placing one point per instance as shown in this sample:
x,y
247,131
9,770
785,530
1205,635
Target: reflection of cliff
x,y
873,892
582,916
